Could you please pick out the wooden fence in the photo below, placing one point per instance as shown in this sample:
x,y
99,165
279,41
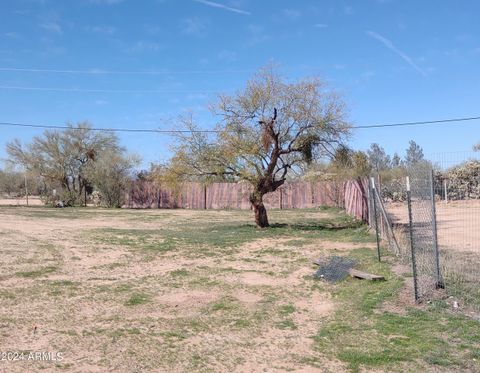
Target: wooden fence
x,y
350,195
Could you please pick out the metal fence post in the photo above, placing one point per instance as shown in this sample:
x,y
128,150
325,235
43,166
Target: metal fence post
x,y
205,197
439,281
412,244
446,190
375,217
369,203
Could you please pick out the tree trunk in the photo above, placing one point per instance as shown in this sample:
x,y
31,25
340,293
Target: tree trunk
x,y
261,218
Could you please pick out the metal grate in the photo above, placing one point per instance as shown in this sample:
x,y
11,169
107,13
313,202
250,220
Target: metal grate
x,y
333,269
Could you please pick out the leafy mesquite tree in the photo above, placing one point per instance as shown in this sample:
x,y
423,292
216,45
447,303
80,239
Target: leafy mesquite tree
x,y
266,131
63,157
111,174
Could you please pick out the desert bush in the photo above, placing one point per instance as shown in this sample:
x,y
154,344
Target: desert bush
x,y
464,181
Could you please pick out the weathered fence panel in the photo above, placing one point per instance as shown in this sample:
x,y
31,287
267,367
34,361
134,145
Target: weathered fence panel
x,y
350,195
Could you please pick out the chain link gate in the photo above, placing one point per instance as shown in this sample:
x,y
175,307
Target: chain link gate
x,y
423,232
421,229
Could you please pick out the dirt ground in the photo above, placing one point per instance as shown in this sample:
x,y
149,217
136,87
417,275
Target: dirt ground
x,y
32,201
116,290
159,290
458,223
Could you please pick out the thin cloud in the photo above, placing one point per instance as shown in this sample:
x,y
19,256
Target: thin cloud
x,y
11,35
387,43
257,34
292,14
194,26
52,27
144,46
222,6
320,25
106,2
227,55
107,30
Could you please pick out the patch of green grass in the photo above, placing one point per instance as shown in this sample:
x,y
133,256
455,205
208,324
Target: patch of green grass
x,y
125,287
224,304
242,323
137,299
71,333
179,273
286,324
176,335
221,238
37,273
62,287
63,283
364,336
286,309
124,331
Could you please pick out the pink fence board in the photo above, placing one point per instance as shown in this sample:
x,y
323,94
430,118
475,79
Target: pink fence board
x,y
350,195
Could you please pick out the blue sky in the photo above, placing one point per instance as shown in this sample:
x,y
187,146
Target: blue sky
x,y
392,60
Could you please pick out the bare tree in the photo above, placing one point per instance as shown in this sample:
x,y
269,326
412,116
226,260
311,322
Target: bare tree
x,y
266,132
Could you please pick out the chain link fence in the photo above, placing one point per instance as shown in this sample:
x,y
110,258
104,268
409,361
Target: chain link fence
x,y
412,238
457,191
423,231
428,215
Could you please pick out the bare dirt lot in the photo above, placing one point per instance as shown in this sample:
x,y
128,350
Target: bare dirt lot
x,y
178,291
21,201
458,222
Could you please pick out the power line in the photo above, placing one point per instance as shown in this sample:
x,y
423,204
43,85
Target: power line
x,y
152,130
418,123
120,72
104,90
142,130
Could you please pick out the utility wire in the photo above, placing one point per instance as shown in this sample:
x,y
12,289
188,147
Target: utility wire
x,y
142,130
119,72
418,123
104,90
152,130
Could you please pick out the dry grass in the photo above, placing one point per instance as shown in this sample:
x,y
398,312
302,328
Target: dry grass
x,y
174,291
164,290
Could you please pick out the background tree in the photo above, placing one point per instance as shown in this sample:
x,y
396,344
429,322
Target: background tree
x,y
12,182
414,154
62,157
265,132
348,164
111,174
378,158
396,160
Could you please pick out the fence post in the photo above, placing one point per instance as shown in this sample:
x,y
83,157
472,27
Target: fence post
x,y
412,244
26,188
370,207
439,282
376,218
446,190
204,197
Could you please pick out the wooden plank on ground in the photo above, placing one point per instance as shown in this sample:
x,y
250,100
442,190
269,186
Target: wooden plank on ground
x,y
364,275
